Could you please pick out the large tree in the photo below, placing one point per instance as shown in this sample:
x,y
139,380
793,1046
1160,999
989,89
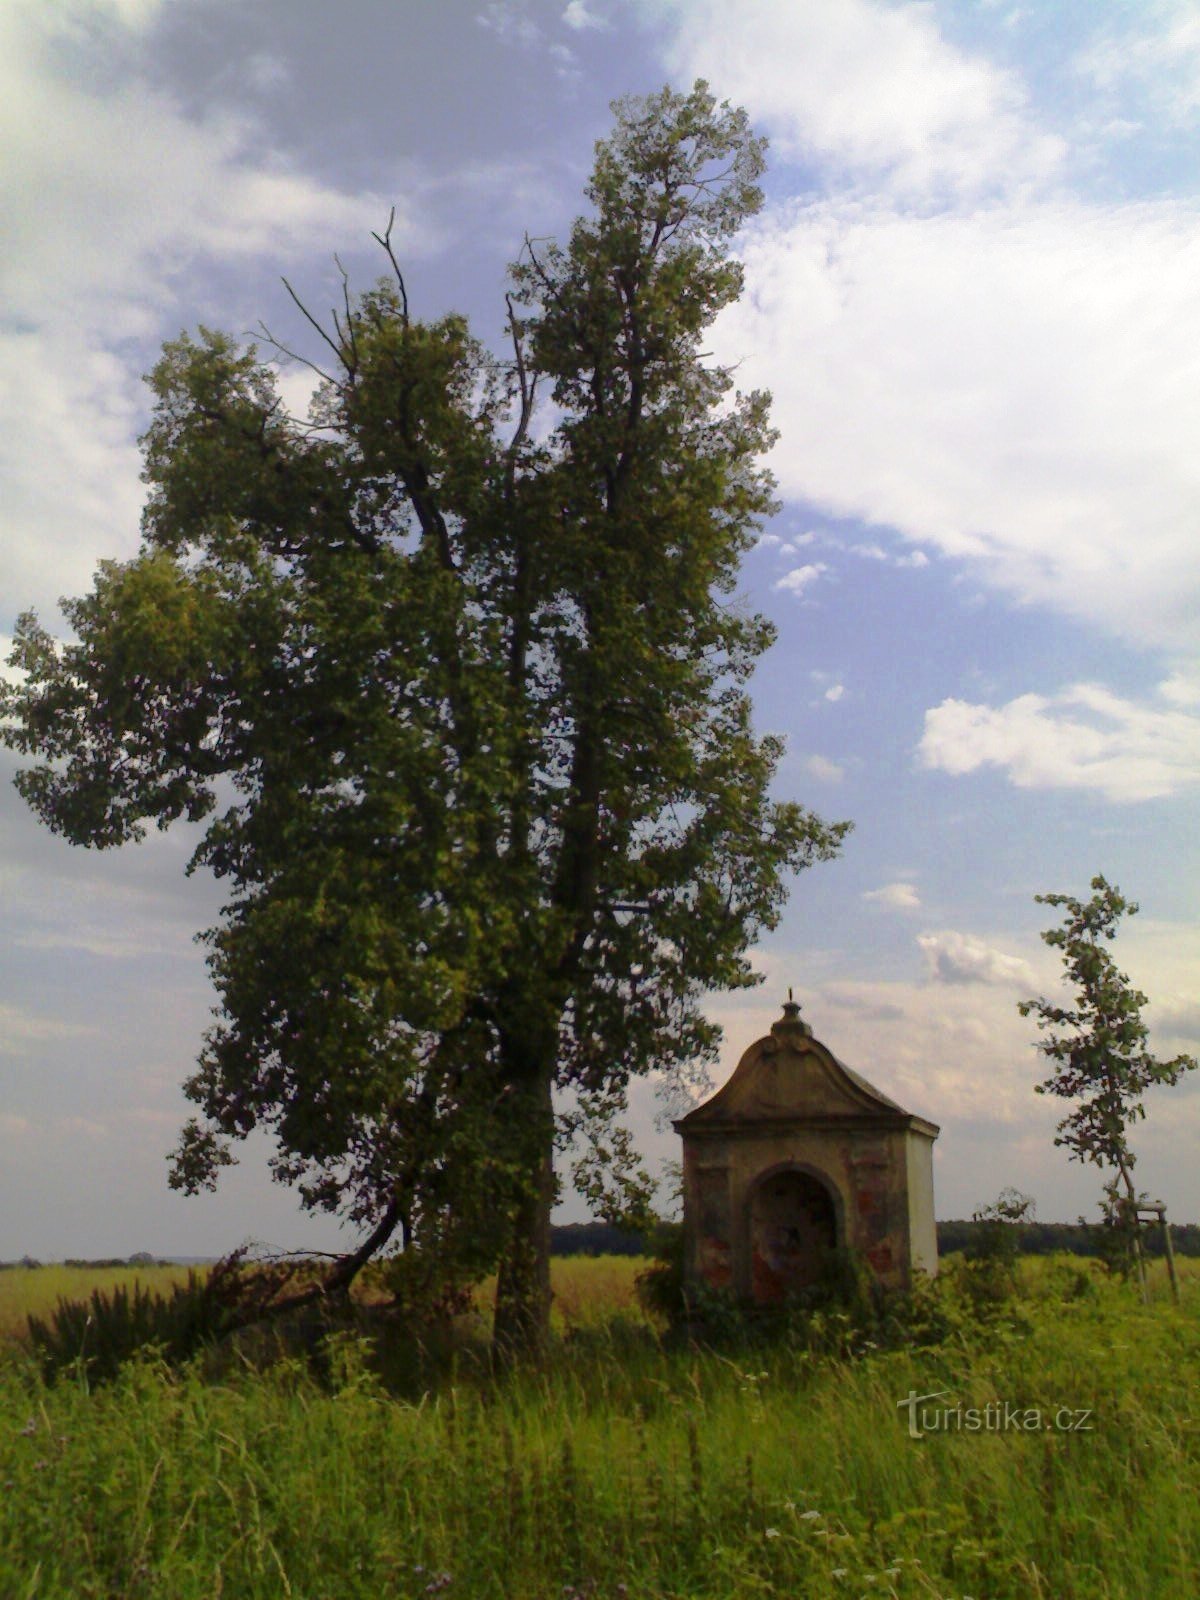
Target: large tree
x,y
456,680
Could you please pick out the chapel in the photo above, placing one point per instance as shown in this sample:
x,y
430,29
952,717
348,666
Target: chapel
x,y
798,1157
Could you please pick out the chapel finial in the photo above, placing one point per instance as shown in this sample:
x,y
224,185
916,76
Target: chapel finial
x,y
791,1015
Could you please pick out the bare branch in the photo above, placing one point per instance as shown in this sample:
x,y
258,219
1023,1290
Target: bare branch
x,y
528,384
350,338
294,355
385,239
303,309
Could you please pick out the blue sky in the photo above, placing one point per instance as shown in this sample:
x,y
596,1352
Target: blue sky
x,y
973,294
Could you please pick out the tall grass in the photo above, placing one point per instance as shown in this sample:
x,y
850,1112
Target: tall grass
x,y
627,1467
35,1291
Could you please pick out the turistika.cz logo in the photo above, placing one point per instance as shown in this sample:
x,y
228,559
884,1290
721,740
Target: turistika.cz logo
x,y
997,1416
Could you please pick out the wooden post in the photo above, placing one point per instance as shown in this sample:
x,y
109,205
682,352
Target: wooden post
x,y
1157,1208
1168,1248
1132,1211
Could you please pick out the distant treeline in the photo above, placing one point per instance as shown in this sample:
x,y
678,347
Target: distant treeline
x,y
1077,1238
142,1258
1033,1238
596,1239
602,1239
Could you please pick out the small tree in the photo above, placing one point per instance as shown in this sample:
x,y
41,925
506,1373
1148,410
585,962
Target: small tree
x,y
1102,1062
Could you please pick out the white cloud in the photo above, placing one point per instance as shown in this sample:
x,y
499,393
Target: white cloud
x,y
824,770
1178,1017
578,16
800,578
1157,59
1018,385
835,692
895,897
510,20
1000,371
1181,689
960,958
115,199
265,72
874,88
80,16
876,552
960,1054
957,1053
1084,738
20,1028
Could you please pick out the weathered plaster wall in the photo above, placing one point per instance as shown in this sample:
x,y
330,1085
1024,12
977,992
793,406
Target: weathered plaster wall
x,y
922,1226
792,1107
866,1176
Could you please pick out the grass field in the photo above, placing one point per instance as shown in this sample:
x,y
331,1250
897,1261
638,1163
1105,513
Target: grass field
x,y
35,1291
629,1468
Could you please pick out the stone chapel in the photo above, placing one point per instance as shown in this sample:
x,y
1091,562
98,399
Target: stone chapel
x,y
798,1156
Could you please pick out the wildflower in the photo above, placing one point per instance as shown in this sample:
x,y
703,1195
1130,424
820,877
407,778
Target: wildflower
x,y
839,1572
30,1428
772,1533
810,1516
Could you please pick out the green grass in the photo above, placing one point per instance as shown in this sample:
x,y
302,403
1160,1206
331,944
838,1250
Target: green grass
x,y
627,1468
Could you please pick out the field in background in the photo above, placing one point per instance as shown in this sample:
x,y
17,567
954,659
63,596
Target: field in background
x,y
587,1289
35,1291
631,1470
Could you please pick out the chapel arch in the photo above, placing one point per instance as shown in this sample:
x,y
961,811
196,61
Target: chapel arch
x,y
793,1226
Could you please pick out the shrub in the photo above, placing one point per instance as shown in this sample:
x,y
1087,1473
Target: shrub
x,y
987,1274
95,1337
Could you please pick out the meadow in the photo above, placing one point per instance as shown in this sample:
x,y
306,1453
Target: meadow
x,y
631,1466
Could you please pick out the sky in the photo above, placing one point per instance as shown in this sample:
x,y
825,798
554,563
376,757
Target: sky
x,y
974,292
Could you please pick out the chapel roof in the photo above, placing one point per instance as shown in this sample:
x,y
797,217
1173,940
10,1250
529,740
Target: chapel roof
x,y
788,1076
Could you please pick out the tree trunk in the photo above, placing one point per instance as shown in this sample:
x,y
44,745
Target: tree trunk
x,y
521,1329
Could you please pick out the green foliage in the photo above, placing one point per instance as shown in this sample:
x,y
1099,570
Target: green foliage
x,y
988,1271
1101,1060
660,1287
461,702
838,1314
94,1338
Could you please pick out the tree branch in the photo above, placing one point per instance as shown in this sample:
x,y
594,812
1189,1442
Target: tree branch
x,y
385,239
